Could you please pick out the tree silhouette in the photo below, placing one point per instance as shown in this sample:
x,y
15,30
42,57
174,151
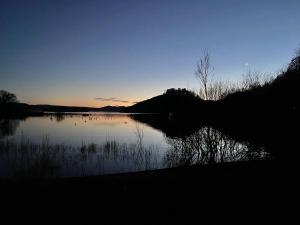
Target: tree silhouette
x,y
203,72
7,97
209,89
209,146
295,63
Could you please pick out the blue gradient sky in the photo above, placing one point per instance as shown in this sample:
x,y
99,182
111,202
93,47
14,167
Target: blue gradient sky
x,y
69,52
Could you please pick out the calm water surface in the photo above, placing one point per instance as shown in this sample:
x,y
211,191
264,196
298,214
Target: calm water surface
x,y
94,128
102,143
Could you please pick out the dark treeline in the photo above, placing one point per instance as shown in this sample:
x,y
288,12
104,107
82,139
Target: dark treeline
x,y
267,114
253,97
264,113
21,110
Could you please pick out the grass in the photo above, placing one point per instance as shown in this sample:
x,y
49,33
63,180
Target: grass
x,y
26,159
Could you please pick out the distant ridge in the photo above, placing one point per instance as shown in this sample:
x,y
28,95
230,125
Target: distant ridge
x,y
26,109
55,108
110,108
58,108
172,101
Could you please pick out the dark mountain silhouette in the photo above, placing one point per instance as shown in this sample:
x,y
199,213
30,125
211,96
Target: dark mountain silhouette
x,y
22,109
172,101
279,97
110,108
55,108
266,115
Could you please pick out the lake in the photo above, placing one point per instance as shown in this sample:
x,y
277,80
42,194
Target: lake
x,y
68,145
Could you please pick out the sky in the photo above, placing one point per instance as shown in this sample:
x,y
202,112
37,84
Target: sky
x,y
96,53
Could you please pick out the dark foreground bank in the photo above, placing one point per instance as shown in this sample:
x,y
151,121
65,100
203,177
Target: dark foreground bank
x,y
179,194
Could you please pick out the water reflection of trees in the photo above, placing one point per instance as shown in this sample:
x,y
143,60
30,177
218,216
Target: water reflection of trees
x,y
208,146
59,117
8,127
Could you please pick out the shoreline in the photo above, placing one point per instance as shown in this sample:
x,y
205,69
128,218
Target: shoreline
x,y
250,170
181,195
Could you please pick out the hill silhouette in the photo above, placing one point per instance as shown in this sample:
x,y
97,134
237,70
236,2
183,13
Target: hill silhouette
x,y
55,108
279,97
173,101
18,110
266,115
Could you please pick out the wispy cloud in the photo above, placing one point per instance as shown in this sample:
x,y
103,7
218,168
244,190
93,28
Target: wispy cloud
x,y
112,99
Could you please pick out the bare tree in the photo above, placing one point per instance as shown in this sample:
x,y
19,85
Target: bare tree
x,y
203,73
254,79
251,79
220,89
217,89
209,146
295,63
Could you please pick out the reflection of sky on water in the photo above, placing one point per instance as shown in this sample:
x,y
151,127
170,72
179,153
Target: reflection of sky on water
x,y
75,129
76,145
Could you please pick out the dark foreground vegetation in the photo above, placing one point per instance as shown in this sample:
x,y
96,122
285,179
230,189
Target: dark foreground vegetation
x,y
222,192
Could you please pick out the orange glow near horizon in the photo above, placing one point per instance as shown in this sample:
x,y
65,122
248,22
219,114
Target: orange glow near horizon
x,y
82,103
83,97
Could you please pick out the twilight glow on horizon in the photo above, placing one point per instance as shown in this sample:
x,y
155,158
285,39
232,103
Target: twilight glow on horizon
x,y
114,52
